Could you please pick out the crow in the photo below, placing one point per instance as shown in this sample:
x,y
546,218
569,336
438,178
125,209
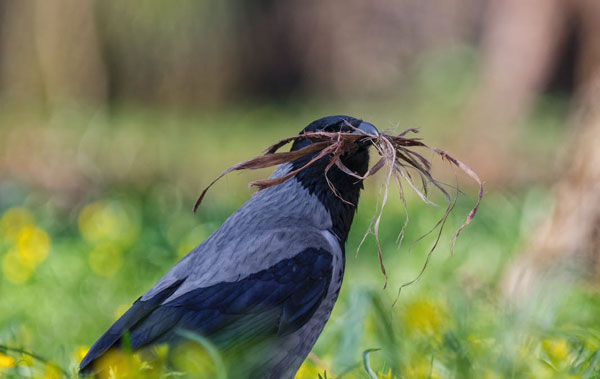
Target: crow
x,y
262,287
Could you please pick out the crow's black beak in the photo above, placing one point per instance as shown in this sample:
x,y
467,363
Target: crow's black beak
x,y
367,129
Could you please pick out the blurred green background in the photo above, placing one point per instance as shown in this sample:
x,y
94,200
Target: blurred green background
x,y
114,115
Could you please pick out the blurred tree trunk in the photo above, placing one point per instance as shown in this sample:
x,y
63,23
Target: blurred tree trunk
x,y
69,51
20,77
567,242
519,51
568,239
50,53
272,58
174,56
350,47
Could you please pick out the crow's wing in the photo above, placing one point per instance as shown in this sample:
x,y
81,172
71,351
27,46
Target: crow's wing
x,y
273,302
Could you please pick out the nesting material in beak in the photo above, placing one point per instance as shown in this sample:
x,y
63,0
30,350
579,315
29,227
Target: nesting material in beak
x,y
397,152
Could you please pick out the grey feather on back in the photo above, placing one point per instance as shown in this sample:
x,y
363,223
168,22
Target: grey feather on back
x,y
269,227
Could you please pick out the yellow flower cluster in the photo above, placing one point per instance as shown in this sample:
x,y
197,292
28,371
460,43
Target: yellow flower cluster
x,y
26,244
424,316
116,364
52,371
388,375
6,361
308,370
419,369
556,349
25,360
147,364
109,227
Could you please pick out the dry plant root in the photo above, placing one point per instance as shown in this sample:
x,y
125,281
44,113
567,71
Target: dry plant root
x,y
397,153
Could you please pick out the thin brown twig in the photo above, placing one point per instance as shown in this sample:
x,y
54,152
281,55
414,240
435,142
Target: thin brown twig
x,y
395,151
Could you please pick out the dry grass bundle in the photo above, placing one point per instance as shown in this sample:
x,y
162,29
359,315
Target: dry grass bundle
x,y
397,153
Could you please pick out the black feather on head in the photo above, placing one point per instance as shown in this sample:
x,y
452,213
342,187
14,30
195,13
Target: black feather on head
x,y
348,187
331,124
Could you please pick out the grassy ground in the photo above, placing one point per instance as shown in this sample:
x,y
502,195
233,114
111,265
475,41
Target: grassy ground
x,y
115,214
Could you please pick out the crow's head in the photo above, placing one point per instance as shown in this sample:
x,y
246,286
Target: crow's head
x,y
319,181
340,123
357,160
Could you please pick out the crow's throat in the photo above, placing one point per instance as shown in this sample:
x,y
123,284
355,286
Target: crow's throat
x,y
348,187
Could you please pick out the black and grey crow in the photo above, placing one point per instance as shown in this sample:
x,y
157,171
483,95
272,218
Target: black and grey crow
x,y
261,287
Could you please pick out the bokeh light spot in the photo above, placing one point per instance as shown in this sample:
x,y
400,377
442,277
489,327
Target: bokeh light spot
x,y
13,220
33,244
108,221
15,269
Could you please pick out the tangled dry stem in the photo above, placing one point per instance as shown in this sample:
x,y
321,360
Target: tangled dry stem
x,y
397,153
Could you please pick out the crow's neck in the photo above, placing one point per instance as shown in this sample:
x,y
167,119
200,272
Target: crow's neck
x,y
348,188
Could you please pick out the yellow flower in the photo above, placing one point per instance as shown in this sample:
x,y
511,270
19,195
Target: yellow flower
x,y
52,371
419,369
381,375
6,361
33,244
161,351
308,370
79,353
106,259
25,360
108,222
16,270
424,316
557,349
14,220
117,364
